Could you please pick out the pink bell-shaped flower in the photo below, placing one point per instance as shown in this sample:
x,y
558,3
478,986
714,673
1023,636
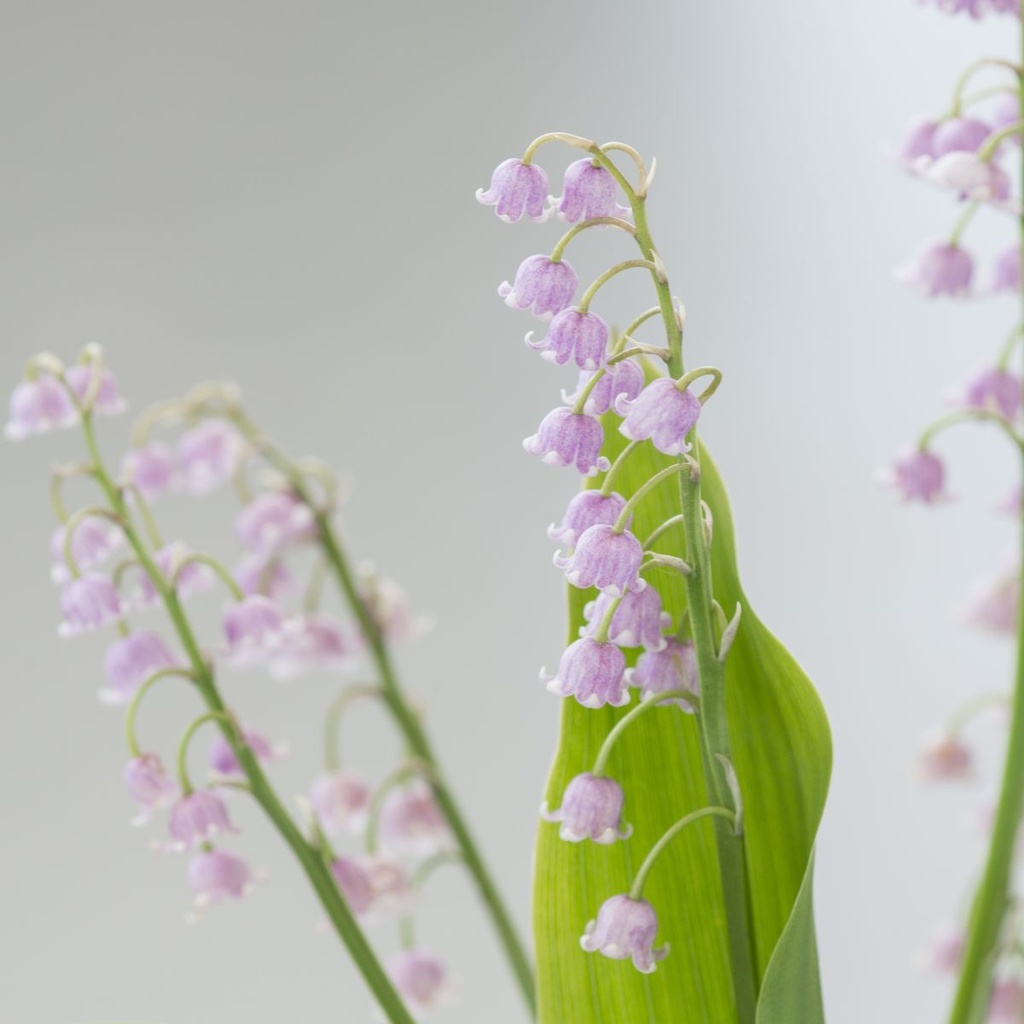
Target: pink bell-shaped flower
x,y
591,809
624,929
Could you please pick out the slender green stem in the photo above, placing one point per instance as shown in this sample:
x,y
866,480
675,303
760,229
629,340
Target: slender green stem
x,y
332,721
136,702
1012,340
221,571
656,534
992,896
646,315
601,633
309,857
962,221
616,466
603,279
952,419
211,716
629,718
637,890
616,222
713,722
587,388
641,492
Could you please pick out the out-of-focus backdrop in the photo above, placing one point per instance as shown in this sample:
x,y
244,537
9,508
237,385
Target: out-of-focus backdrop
x,y
282,194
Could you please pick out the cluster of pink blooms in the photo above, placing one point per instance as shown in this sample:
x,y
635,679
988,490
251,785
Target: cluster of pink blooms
x,y
964,151
258,631
598,549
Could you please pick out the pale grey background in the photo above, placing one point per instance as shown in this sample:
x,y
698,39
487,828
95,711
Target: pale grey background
x,y
282,194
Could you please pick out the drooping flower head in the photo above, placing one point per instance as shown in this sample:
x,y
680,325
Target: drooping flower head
x,y
152,468
565,438
992,389
107,399
130,661
171,562
542,285
420,978
604,559
196,819
37,407
917,476
210,454
940,269
517,190
576,336
589,190
311,642
216,875
93,540
272,521
625,377
591,809
992,604
592,671
149,785
340,801
662,412
588,508
371,885
224,762
255,631
89,602
1005,271
411,823
944,756
625,929
674,667
959,135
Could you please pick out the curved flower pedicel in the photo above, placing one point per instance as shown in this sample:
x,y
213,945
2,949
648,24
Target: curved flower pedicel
x,y
967,149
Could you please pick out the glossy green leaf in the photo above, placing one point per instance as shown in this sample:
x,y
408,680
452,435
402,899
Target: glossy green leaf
x,y
782,753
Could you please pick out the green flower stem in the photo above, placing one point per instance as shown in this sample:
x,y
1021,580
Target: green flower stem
x,y
405,717
566,137
637,349
669,523
60,474
332,721
992,896
186,739
613,470
1012,340
713,723
616,222
581,402
970,709
702,371
952,419
603,279
315,587
969,73
309,857
646,315
133,707
641,492
629,718
222,572
431,864
962,221
636,891
601,633
991,144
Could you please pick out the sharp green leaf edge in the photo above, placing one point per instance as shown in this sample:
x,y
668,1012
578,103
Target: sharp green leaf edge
x,y
783,755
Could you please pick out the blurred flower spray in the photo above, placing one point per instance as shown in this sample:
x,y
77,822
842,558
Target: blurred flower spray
x,y
973,150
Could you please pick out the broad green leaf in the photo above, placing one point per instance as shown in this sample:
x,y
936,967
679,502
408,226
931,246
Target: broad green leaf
x,y
782,753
